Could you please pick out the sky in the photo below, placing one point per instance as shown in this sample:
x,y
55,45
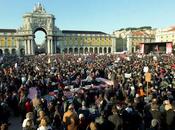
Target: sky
x,y
93,15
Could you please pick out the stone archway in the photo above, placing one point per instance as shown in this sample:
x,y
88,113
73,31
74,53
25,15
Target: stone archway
x,y
70,50
65,50
40,41
22,52
96,50
91,50
86,50
100,50
6,52
39,19
81,50
76,50
58,50
13,52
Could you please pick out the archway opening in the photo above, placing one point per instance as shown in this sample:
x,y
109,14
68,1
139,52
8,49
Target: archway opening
x,y
13,51
81,50
109,50
22,52
91,50
70,50
105,50
76,50
86,50
100,50
65,50
6,52
40,41
96,50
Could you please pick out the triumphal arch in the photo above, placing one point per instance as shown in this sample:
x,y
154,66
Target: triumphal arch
x,y
38,20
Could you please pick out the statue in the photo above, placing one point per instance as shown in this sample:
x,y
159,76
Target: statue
x,y
39,9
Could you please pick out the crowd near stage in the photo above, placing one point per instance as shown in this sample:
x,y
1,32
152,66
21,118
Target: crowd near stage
x,y
156,47
126,91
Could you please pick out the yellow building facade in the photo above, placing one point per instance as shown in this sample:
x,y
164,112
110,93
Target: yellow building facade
x,y
8,41
85,42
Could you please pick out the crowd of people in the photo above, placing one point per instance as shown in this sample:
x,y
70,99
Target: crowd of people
x,y
62,92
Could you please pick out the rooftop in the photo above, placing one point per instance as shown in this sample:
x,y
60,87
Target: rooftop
x,y
82,32
8,30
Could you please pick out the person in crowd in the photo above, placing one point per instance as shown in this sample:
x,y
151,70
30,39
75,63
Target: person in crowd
x,y
115,119
4,127
96,84
28,123
44,125
70,118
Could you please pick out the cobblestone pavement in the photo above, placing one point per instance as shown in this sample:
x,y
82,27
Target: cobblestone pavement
x,y
15,123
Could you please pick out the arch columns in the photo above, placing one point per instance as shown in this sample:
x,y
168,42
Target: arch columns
x,y
50,45
103,50
26,47
29,48
54,45
32,46
98,50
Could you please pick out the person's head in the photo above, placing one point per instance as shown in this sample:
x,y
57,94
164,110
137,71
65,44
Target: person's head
x,y
41,113
29,115
4,127
43,122
155,123
71,107
168,107
93,126
81,116
114,109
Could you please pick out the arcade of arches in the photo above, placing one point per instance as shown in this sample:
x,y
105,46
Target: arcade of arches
x,y
22,41
85,50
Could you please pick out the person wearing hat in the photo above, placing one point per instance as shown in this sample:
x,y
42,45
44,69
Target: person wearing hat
x,y
70,118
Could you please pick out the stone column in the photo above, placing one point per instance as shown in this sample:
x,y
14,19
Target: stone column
x,y
17,46
102,50
55,46
113,45
32,48
51,46
88,49
28,47
48,46
98,50
78,50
